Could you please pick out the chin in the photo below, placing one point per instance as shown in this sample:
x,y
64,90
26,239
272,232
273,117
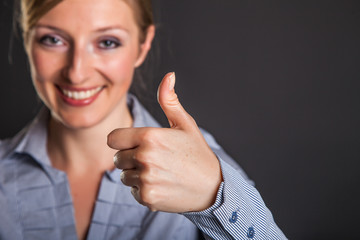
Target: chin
x,y
101,110
78,120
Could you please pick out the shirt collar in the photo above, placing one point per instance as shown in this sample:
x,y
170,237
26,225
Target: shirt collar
x,y
34,140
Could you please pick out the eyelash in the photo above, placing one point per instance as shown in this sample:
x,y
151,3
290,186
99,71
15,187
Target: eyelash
x,y
112,42
50,40
53,41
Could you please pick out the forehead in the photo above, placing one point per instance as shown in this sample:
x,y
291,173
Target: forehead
x,y
80,15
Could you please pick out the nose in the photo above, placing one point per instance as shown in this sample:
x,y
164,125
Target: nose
x,y
78,67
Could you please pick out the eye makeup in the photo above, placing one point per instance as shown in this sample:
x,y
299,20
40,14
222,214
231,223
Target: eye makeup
x,y
51,40
109,43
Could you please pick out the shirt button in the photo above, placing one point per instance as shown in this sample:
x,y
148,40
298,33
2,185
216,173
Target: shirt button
x,y
251,232
233,217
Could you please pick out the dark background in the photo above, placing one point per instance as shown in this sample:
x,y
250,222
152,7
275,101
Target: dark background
x,y
276,82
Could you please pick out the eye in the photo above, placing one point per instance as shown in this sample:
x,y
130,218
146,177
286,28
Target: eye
x,y
51,41
109,43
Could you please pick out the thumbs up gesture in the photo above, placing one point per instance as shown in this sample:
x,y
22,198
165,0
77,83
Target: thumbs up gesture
x,y
168,169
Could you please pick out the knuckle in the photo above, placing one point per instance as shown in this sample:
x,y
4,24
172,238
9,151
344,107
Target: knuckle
x,y
146,134
140,156
148,196
145,156
146,177
149,136
137,156
143,180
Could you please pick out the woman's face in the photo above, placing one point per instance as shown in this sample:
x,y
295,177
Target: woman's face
x,y
82,56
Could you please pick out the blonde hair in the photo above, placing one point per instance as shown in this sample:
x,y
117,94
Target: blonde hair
x,y
32,10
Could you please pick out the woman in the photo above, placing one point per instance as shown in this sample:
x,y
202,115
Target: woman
x,y
57,177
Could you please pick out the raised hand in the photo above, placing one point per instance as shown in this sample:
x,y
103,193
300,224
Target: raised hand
x,y
168,169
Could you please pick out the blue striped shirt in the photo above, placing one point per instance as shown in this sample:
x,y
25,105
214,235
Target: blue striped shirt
x,y
35,198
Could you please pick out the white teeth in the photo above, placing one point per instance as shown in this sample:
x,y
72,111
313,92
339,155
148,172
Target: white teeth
x,y
79,95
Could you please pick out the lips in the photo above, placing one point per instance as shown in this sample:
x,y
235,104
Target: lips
x,y
79,97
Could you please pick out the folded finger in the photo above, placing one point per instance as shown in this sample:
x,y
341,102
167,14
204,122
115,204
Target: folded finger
x,y
125,159
130,177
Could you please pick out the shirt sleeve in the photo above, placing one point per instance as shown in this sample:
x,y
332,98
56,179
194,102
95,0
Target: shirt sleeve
x,y
239,212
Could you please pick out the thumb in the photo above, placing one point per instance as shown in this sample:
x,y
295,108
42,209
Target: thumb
x,y
170,104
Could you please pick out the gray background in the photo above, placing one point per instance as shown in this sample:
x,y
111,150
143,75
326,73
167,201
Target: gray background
x,y
276,82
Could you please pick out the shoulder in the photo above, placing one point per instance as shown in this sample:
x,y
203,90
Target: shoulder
x,y
30,140
8,145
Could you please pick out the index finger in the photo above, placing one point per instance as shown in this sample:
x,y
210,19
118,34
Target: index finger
x,y
126,138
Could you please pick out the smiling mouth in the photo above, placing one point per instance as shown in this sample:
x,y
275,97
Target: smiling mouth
x,y
80,95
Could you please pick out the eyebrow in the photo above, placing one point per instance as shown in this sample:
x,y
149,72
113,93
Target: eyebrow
x,y
116,27
48,26
102,29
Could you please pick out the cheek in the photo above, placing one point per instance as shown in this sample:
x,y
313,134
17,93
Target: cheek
x,y
120,69
45,69
44,66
